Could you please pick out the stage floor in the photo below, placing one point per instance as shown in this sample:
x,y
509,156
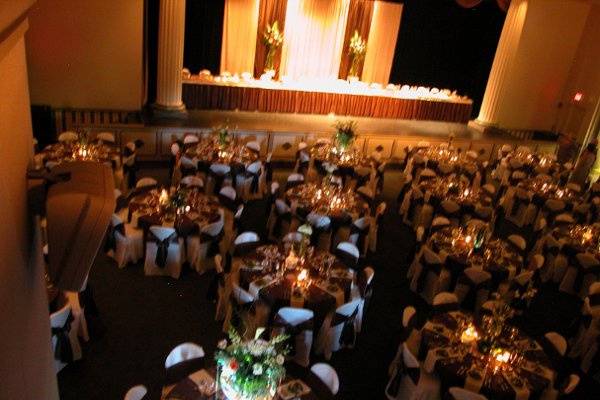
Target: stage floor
x,y
313,123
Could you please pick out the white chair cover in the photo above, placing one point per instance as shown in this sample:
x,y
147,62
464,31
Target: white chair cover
x,y
58,319
327,375
558,341
304,339
68,136
459,393
330,335
183,352
107,137
197,249
145,182
190,138
129,247
136,393
174,260
192,181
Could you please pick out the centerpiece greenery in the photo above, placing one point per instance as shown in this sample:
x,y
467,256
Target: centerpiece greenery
x,y
344,135
272,39
357,49
251,370
223,137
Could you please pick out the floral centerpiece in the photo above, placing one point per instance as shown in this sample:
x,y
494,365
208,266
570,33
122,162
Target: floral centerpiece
x,y
272,39
223,137
345,135
356,49
251,370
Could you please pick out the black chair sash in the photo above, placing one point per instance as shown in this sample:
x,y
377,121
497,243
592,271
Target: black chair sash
x,y
456,268
551,249
269,171
362,235
203,166
111,240
228,203
339,222
187,171
348,336
426,268
286,216
556,359
213,249
292,330
349,260
255,180
317,232
237,309
471,297
87,302
63,351
414,373
162,248
182,370
218,180
444,308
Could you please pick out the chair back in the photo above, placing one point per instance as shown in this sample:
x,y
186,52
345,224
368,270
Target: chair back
x,y
192,181
246,237
68,136
107,137
220,169
295,177
183,352
518,241
293,237
407,315
59,318
190,138
161,232
229,192
572,383
558,341
459,393
253,145
327,375
136,393
145,182
444,298
295,316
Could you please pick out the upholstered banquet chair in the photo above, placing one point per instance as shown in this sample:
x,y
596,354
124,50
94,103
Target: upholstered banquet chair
x,y
298,324
327,375
124,242
359,234
321,230
187,167
459,393
192,181
253,184
203,247
65,343
244,243
339,329
412,382
106,137
444,302
580,274
229,201
280,221
410,335
146,182
190,140
473,288
294,179
240,311
136,393
427,277
217,176
183,360
348,253
68,136
163,252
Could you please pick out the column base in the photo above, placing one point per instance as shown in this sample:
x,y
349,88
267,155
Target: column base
x,y
483,126
160,112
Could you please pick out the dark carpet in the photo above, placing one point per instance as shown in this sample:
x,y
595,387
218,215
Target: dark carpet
x,y
143,318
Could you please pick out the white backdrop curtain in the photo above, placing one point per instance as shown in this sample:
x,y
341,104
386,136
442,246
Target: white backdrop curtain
x,y
240,24
313,38
381,43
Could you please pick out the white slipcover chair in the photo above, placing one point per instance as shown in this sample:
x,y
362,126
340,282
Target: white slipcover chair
x,y
136,393
585,344
477,277
246,237
174,260
519,241
79,322
145,182
433,283
369,274
328,341
253,145
321,222
361,224
228,192
58,320
444,298
256,168
327,375
459,393
279,208
106,137
220,170
190,138
175,149
350,251
68,136
304,339
241,297
558,341
183,352
426,387
222,290
192,181
197,250
129,248
379,211
294,178
589,263
411,337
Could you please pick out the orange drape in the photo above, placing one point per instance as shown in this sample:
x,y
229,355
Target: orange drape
x,y
269,11
359,19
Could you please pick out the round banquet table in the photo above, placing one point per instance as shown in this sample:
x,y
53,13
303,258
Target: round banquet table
x,y
449,187
542,191
496,256
210,151
337,203
528,373
144,212
67,152
188,388
330,288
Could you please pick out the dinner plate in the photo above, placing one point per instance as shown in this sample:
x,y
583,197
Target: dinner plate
x,y
292,389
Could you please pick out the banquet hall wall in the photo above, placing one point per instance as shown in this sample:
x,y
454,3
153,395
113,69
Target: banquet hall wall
x,y
26,362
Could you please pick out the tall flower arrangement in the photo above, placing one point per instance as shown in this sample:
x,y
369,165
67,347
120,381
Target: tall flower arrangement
x,y
272,39
345,134
356,49
251,370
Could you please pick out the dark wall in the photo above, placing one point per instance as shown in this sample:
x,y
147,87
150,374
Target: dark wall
x,y
203,35
441,44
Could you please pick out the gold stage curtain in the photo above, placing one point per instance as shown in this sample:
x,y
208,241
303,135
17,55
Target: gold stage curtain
x,y
269,12
239,36
314,38
359,19
381,43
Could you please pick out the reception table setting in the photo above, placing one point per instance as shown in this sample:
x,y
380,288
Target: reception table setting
x,y
221,148
329,200
61,152
486,355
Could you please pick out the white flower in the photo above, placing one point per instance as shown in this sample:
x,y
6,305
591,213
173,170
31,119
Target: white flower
x,y
222,344
280,359
305,229
257,369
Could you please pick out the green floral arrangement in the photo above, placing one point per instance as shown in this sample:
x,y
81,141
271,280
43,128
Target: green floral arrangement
x,y
345,135
251,369
179,198
357,48
223,136
272,39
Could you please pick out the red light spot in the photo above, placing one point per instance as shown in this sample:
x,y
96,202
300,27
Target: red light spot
x,y
578,96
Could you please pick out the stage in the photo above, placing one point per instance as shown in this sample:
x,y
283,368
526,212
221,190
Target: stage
x,y
353,99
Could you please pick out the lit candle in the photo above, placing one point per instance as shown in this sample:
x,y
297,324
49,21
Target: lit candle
x,y
164,197
291,260
469,335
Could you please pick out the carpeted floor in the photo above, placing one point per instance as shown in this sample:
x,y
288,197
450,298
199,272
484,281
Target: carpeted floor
x,y
143,318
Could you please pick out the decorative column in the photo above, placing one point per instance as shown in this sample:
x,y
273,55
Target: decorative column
x,y
171,29
504,58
